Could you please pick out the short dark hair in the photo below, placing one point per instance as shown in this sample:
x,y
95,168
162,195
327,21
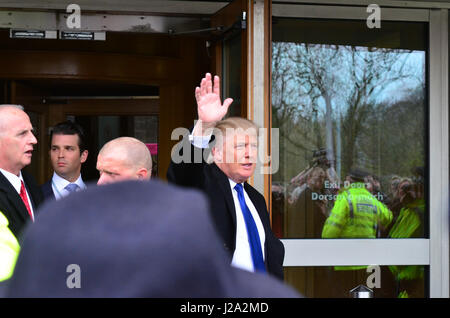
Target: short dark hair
x,y
358,174
69,128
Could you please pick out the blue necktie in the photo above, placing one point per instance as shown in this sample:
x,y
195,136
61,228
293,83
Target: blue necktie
x,y
71,187
252,232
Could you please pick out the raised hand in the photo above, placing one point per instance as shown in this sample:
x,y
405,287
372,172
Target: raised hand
x,y
209,107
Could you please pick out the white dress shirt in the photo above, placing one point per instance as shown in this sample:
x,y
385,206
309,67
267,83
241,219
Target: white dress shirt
x,y
16,182
242,257
59,183
200,141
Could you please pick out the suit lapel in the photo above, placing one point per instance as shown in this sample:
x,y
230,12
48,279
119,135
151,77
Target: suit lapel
x,y
13,198
47,190
224,184
259,205
32,191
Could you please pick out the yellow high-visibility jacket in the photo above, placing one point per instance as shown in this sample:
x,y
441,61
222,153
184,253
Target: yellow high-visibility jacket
x,y
409,224
9,249
356,214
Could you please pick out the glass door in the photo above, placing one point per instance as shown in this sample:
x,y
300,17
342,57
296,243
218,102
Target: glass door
x,y
351,198
229,48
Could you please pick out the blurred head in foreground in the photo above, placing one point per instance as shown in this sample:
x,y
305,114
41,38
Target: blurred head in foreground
x,y
131,239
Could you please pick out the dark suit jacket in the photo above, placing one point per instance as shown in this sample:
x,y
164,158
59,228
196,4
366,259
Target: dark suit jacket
x,y
12,205
211,180
47,190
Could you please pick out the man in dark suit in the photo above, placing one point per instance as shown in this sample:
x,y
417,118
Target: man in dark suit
x,y
19,194
238,210
67,153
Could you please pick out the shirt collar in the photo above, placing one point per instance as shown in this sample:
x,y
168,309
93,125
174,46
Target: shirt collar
x,y
61,183
16,181
233,184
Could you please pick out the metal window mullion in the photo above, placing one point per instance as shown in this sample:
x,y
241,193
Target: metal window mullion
x,y
257,58
439,173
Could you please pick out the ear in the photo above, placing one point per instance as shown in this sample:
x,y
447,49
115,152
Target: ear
x,y
84,156
143,174
217,154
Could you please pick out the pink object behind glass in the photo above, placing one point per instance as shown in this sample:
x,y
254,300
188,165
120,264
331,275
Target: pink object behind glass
x,y
153,148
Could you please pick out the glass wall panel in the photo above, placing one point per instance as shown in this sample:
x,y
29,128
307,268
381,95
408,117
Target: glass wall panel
x,y
395,281
350,104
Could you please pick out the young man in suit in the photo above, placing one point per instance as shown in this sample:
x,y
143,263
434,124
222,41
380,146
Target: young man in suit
x,y
20,196
239,211
67,154
124,158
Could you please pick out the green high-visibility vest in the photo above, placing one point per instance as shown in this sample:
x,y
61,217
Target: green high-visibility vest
x,y
9,249
356,214
409,223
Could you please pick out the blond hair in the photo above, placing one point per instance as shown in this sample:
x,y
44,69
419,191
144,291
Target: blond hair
x,y
232,124
236,123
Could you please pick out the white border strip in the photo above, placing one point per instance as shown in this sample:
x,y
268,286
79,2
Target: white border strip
x,y
348,13
388,3
343,252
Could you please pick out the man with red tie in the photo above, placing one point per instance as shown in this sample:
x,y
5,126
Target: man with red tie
x,y
19,193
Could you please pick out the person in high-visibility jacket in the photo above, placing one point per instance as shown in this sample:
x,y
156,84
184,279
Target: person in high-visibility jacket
x,y
409,224
9,249
356,212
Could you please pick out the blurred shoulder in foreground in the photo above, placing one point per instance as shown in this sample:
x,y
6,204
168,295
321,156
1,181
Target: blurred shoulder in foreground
x,y
131,239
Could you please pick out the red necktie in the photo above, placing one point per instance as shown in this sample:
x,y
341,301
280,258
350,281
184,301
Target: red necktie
x,y
23,195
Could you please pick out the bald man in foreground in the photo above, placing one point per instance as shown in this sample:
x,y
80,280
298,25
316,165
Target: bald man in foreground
x,y
124,158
